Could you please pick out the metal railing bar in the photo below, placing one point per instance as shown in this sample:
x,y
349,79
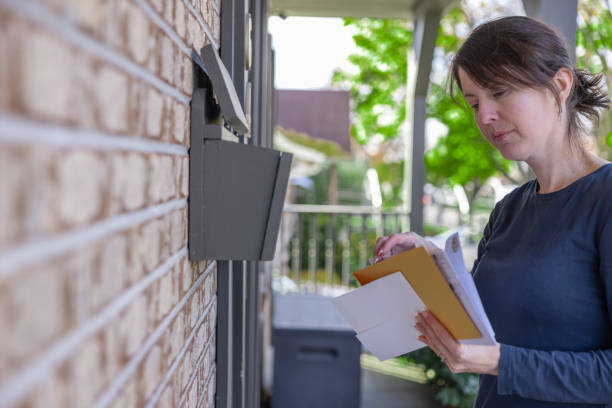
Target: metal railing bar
x,y
336,209
312,253
329,250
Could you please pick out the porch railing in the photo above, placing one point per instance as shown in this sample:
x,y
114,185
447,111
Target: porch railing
x,y
319,246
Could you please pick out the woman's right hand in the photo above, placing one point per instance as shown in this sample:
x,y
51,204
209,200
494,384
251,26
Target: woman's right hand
x,y
396,243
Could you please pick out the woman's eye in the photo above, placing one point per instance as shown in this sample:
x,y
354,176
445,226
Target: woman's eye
x,y
475,107
499,94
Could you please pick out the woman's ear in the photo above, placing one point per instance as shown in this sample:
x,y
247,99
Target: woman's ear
x,y
563,80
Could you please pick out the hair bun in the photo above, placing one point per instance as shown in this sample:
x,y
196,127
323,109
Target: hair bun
x,y
588,95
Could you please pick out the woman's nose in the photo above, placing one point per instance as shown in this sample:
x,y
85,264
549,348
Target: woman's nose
x,y
487,113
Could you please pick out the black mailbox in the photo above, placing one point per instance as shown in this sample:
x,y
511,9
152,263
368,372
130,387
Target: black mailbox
x,y
236,191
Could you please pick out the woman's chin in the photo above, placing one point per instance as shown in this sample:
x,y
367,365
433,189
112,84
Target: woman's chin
x,y
509,153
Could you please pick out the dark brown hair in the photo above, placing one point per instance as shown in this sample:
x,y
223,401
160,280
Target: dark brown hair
x,y
521,52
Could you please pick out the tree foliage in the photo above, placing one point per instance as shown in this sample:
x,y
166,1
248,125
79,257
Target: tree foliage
x,y
378,88
593,51
378,92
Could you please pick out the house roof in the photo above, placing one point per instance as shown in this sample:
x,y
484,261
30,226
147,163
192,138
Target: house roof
x,y
321,114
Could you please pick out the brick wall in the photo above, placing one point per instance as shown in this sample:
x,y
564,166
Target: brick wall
x,y
99,304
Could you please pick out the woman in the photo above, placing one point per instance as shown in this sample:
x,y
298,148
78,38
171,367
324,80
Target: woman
x,y
544,265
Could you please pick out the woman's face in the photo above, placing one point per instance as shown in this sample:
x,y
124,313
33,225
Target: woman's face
x,y
520,123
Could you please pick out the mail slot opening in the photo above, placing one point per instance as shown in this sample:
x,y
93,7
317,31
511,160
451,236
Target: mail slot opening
x,y
317,354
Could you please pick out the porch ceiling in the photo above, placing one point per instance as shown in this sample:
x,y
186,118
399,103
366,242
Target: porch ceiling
x,y
353,8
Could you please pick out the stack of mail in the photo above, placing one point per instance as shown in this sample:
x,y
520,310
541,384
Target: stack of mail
x,y
382,312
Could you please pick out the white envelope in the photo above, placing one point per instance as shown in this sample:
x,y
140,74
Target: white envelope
x,y
383,315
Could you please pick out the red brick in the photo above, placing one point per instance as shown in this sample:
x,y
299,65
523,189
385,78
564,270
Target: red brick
x,y
79,194
92,16
133,325
17,175
153,61
185,370
128,396
180,19
166,399
207,288
158,5
186,83
169,11
47,93
129,183
144,249
150,373
205,11
194,310
8,43
24,330
167,56
137,31
163,179
136,109
86,361
53,392
192,398
181,122
187,272
166,294
108,279
85,111
151,245
216,27
112,99
154,112
111,354
176,337
177,235
48,190
184,177
196,33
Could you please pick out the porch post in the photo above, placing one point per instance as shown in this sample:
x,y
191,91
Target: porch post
x,y
559,13
419,62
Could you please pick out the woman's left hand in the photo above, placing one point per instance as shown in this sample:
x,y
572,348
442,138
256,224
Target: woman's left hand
x,y
457,356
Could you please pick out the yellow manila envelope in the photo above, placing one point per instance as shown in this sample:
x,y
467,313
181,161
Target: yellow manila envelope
x,y
425,278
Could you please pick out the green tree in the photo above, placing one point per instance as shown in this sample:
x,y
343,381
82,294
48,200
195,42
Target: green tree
x,y
378,88
378,93
593,46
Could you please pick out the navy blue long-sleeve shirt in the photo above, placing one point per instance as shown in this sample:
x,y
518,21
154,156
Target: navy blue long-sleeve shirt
x,y
544,274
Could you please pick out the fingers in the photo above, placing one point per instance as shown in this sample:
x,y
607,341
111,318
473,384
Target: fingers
x,y
379,242
440,331
396,243
458,357
436,335
403,241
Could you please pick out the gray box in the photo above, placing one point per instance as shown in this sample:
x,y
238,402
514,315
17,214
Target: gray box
x,y
236,192
316,355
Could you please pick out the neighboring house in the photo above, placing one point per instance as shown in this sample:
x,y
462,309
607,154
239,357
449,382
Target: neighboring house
x,y
99,303
321,114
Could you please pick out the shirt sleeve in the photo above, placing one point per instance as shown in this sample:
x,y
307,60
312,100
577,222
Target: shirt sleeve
x,y
556,376
564,376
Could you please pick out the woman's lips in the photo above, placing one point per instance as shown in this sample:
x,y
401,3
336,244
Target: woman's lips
x,y
501,136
